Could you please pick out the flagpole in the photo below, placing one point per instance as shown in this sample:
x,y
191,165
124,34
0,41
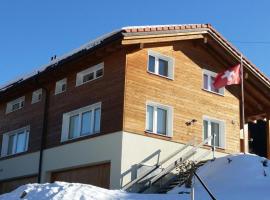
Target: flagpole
x,y
243,105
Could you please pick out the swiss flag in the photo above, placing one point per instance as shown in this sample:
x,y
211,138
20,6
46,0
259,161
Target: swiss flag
x,y
229,77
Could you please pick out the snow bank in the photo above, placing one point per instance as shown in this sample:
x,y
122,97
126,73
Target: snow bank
x,y
229,178
234,177
76,191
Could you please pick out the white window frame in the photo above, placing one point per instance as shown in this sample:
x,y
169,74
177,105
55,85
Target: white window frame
x,y
5,140
157,56
222,130
20,100
58,86
36,96
211,74
169,117
92,69
80,111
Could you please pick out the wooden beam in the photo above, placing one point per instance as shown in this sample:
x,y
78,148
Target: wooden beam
x,y
158,38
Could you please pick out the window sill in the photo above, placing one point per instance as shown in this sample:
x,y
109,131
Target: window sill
x,y
13,155
152,73
80,138
157,134
217,148
222,95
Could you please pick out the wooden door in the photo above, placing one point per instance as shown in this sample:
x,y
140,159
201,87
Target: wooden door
x,y
98,175
8,186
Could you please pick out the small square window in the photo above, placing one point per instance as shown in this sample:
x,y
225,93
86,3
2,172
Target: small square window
x,y
216,129
208,80
61,86
160,64
90,74
15,105
15,142
159,119
36,96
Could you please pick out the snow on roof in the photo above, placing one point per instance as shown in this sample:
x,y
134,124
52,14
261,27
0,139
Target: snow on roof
x,y
53,62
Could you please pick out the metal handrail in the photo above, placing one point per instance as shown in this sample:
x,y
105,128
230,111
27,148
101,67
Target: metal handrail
x,y
155,167
179,161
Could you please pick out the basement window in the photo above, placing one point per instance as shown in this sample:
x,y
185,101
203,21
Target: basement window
x,y
208,80
81,122
216,129
37,96
159,119
15,142
160,64
60,86
90,74
15,105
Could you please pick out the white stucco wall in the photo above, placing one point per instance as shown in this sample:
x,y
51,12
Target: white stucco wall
x,y
138,148
19,166
106,148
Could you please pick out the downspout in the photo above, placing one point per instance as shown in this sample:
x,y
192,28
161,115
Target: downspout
x,y
44,129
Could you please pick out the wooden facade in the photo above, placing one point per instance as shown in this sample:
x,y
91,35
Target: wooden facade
x,y
185,93
126,86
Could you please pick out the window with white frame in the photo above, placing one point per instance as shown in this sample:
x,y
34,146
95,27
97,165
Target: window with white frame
x,y
15,141
208,80
60,86
90,74
216,129
81,122
159,119
15,104
36,96
160,64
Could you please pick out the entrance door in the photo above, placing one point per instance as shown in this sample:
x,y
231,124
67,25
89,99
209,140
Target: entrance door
x,y
98,175
257,138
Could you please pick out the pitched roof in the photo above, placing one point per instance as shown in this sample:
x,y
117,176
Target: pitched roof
x,y
140,30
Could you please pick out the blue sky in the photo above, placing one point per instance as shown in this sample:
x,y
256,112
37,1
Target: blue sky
x,y
32,31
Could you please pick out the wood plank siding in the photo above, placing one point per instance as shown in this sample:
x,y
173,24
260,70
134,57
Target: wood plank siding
x,y
9,185
184,93
98,175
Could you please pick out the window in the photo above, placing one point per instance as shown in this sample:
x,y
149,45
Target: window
x,y
60,86
37,96
15,142
216,129
81,122
159,119
90,74
208,80
160,64
15,105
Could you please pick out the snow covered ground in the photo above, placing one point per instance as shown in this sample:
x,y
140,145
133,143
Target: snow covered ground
x,y
232,177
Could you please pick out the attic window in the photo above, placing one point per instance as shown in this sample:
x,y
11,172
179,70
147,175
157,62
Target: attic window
x,y
160,64
37,96
60,86
15,105
208,79
90,74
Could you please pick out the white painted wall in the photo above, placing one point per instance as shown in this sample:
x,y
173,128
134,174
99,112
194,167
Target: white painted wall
x,y
136,148
86,152
19,166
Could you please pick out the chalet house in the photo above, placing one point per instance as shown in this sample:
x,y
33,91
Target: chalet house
x,y
126,101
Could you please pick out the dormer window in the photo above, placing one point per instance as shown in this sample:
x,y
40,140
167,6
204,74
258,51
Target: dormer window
x,y
90,74
15,105
160,64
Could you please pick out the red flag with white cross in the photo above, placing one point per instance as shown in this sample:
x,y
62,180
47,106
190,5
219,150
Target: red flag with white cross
x,y
231,76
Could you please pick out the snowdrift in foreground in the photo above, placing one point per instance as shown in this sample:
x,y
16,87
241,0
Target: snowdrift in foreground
x,y
76,191
242,176
232,177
